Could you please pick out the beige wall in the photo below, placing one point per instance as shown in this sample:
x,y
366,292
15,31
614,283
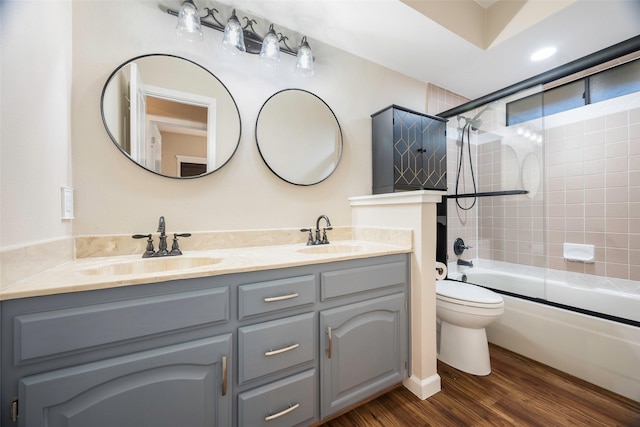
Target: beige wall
x,y
35,116
115,196
52,127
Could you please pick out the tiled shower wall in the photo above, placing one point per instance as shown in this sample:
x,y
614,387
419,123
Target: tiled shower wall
x,y
591,196
593,193
590,193
511,227
439,100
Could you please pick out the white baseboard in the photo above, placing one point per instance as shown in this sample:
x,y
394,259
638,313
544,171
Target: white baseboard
x,y
423,388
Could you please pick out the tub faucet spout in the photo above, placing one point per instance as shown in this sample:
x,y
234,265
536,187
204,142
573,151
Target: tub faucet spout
x,y
465,263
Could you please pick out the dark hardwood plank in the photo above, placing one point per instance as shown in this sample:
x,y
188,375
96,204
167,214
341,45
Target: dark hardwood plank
x,y
518,392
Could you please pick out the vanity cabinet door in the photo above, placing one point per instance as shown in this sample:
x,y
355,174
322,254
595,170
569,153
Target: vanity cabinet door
x,y
363,350
186,384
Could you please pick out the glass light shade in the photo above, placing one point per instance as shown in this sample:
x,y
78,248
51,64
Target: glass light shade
x,y
304,63
270,51
189,22
233,39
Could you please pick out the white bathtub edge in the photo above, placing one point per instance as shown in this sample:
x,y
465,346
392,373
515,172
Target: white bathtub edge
x,y
599,351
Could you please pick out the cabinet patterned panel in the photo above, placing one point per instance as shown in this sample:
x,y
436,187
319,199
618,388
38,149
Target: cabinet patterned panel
x,y
408,151
407,146
434,143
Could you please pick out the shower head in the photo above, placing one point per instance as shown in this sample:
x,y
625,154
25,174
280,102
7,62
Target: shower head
x,y
474,123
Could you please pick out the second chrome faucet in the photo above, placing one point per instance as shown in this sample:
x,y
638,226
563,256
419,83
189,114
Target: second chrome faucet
x,y
162,246
319,240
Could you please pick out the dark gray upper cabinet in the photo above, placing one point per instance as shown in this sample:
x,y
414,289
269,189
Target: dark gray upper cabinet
x,y
409,151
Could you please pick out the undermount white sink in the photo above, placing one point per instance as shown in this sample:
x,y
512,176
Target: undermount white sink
x,y
151,265
331,248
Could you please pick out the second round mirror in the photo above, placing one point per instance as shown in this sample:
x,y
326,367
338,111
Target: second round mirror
x,y
299,137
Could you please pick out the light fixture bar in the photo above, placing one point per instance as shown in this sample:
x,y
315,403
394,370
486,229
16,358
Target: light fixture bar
x,y
253,40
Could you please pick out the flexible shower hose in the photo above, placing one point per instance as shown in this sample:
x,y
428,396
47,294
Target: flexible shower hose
x,y
466,128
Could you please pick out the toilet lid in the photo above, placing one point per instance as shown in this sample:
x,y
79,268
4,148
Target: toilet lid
x,y
466,292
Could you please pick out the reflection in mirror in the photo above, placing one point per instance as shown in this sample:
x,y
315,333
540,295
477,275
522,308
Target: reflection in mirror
x,y
171,116
299,137
531,174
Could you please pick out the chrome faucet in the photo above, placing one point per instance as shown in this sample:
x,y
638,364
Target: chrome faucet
x,y
162,246
318,240
324,240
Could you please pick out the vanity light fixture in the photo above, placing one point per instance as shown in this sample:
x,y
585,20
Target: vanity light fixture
x,y
270,51
233,39
189,21
304,61
239,38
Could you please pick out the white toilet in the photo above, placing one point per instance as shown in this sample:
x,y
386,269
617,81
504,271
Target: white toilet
x,y
464,310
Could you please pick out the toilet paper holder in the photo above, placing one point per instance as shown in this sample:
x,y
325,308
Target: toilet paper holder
x,y
441,270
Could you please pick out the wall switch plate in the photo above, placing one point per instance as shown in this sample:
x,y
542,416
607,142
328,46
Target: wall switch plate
x,y
67,202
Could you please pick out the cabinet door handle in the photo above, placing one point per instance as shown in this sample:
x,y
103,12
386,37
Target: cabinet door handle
x,y
422,150
224,375
282,350
330,348
281,298
14,409
281,413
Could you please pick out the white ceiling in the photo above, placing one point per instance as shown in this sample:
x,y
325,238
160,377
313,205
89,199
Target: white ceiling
x,y
395,35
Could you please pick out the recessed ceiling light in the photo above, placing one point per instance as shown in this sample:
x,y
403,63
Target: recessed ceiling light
x,y
543,53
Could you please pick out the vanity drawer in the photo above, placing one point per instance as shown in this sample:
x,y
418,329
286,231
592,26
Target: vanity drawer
x,y
268,347
267,297
362,279
54,332
284,403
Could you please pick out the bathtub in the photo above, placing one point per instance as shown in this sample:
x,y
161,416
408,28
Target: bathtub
x,y
599,350
610,302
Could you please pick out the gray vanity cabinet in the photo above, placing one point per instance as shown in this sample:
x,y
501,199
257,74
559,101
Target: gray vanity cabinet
x,y
178,385
153,355
370,330
242,350
369,333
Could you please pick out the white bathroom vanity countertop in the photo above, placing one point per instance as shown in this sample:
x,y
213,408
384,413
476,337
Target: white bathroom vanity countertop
x,y
101,272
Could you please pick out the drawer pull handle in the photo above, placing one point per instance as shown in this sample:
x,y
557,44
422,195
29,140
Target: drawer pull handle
x,y
282,350
281,413
281,298
224,375
330,349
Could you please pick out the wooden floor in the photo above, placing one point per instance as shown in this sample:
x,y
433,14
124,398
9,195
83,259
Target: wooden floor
x,y
518,392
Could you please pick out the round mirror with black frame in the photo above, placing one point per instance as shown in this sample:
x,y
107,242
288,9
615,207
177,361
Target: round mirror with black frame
x,y
299,137
170,116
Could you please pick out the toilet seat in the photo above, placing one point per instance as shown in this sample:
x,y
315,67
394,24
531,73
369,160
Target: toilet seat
x,y
467,294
